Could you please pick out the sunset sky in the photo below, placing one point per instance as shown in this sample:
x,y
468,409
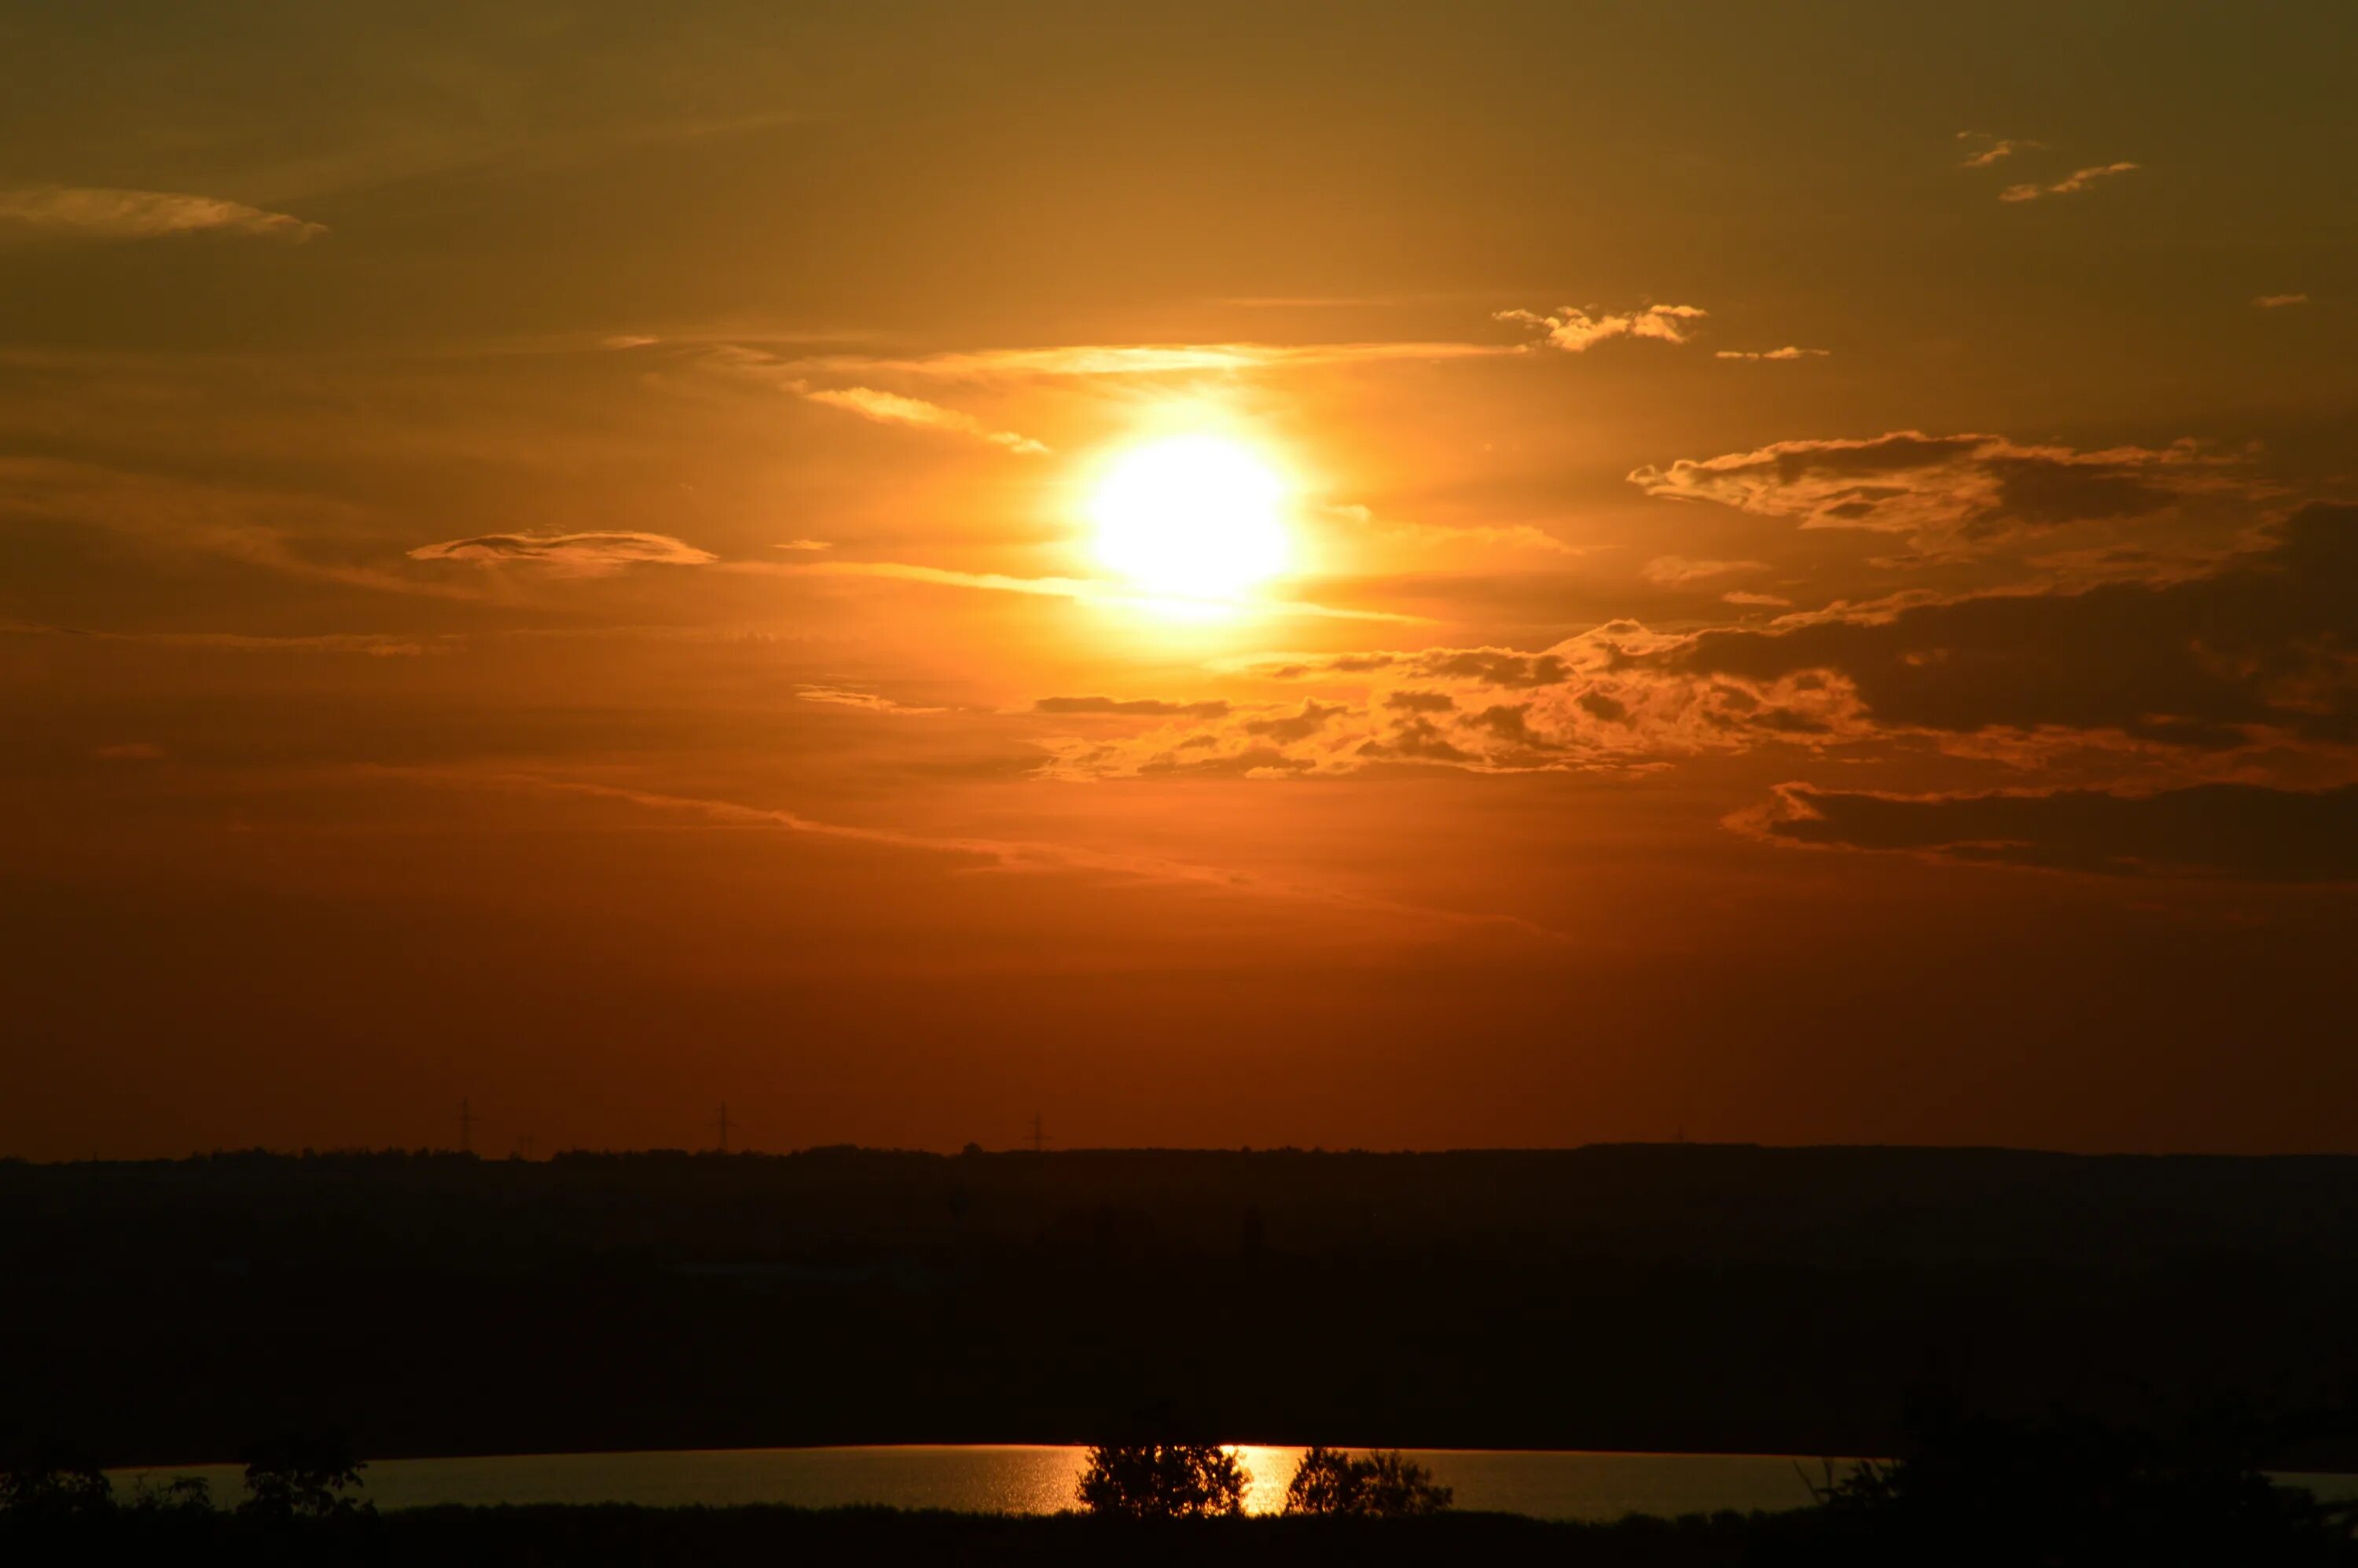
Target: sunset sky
x,y
1383,575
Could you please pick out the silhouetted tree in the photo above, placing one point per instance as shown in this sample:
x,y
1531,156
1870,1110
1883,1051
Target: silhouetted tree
x,y
1161,1480
303,1477
1385,1484
44,1484
180,1494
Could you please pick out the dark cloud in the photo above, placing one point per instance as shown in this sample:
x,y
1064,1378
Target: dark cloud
x,y
2271,641
1416,738
1491,666
1301,726
1144,706
568,555
1420,701
1942,487
2248,832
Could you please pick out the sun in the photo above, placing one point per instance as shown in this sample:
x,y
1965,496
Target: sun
x,y
1192,516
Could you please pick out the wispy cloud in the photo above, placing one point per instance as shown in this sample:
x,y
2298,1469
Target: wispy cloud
x,y
1013,855
1987,149
892,408
568,555
869,701
1575,330
1678,572
806,544
1788,352
2279,301
1517,536
1131,359
2077,180
97,214
1078,588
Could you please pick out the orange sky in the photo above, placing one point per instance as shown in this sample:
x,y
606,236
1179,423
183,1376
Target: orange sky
x,y
551,557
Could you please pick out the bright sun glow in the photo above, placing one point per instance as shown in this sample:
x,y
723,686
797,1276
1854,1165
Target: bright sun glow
x,y
1195,516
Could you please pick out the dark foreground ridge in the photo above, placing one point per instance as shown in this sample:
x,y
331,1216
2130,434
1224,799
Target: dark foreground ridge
x,y
1658,1297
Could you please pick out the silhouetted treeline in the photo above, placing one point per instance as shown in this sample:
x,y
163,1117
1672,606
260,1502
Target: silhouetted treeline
x,y
1968,1491
1659,1297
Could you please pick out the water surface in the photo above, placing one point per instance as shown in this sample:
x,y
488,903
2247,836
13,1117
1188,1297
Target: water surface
x,y
1041,1479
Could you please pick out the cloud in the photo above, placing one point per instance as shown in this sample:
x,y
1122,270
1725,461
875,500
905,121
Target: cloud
x,y
568,555
2243,831
96,213
806,544
1575,330
2252,665
129,751
2077,180
869,701
1134,707
1592,702
1941,488
1788,352
2279,301
1738,595
1988,149
1491,666
892,408
2265,645
1677,571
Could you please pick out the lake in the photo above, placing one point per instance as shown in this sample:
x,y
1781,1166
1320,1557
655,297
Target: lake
x,y
1028,1479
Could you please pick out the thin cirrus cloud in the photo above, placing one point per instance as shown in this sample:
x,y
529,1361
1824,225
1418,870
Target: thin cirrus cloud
x,y
2279,301
1009,855
1575,330
1516,536
2079,179
568,555
1105,360
1081,590
100,214
806,544
1131,708
892,408
1789,352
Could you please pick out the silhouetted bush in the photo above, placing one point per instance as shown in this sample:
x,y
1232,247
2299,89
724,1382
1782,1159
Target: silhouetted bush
x,y
1161,1480
43,1485
303,1477
1974,1490
1384,1484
